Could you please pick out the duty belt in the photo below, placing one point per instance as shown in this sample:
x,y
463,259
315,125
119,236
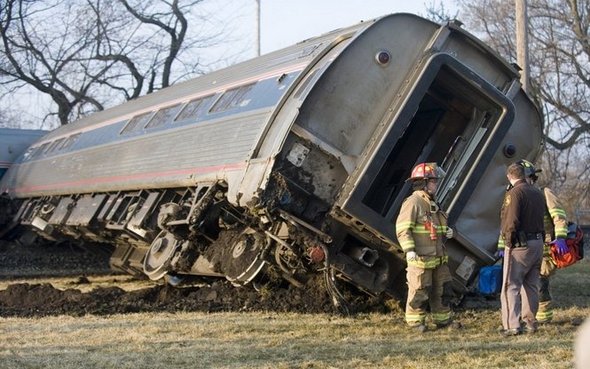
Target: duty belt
x,y
535,236
522,238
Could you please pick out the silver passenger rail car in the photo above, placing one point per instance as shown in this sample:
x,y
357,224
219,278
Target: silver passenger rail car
x,y
293,163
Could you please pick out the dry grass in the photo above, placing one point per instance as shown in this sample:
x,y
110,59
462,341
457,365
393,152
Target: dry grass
x,y
270,340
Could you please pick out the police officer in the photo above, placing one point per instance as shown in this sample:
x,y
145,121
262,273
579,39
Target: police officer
x,y
522,233
422,230
555,225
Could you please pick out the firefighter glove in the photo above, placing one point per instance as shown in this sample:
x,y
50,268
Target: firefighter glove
x,y
411,256
450,232
560,246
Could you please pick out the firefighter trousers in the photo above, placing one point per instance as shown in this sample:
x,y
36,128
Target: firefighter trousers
x,y
425,290
545,312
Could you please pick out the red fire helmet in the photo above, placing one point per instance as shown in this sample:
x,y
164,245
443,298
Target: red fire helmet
x,y
426,171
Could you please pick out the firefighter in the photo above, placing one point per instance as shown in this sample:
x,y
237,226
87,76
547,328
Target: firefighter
x,y
555,222
422,231
522,232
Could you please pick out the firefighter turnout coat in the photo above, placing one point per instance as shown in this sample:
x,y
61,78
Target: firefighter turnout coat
x,y
555,220
555,224
421,227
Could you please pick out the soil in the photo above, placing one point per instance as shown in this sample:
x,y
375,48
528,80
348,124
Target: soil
x,y
33,299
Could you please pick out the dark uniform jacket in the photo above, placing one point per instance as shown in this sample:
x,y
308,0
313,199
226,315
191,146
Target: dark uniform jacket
x,y
522,211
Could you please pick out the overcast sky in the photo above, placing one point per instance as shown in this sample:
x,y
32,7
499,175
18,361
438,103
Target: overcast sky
x,y
286,22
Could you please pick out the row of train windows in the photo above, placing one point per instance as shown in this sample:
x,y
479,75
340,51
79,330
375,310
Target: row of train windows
x,y
234,98
53,146
230,99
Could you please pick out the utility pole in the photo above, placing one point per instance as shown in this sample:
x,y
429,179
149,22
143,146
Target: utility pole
x,y
257,27
522,49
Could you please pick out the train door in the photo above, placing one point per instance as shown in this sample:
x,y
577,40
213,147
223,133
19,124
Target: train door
x,y
452,117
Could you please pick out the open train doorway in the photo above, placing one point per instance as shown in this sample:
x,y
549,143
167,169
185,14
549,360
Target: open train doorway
x,y
451,117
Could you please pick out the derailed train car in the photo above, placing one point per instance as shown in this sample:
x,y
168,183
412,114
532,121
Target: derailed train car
x,y
293,163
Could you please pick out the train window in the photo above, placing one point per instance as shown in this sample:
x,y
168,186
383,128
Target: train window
x,y
68,142
49,147
194,108
236,97
39,150
136,123
29,153
56,145
163,116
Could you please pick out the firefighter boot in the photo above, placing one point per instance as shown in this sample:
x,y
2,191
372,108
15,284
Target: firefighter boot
x,y
545,312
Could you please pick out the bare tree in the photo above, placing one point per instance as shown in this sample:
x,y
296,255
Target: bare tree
x,y
559,53
11,119
94,53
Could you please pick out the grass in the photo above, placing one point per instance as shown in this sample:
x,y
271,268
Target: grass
x,y
270,340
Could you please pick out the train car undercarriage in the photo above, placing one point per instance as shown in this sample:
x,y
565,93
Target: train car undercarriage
x,y
176,233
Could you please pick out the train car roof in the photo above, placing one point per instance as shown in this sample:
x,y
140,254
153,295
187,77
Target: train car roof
x,y
292,58
295,57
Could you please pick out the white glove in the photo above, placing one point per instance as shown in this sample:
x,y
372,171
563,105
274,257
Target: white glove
x,y
411,256
450,232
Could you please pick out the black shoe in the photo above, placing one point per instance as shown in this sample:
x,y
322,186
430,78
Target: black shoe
x,y
528,329
511,332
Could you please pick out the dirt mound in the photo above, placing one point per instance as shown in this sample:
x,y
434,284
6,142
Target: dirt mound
x,y
27,300
42,299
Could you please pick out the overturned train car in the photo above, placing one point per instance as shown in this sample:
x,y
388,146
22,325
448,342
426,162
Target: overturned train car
x,y
293,163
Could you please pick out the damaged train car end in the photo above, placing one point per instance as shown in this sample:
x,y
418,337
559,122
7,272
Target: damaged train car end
x,y
291,164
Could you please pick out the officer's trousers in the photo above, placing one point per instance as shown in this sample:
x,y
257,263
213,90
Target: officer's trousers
x,y
520,287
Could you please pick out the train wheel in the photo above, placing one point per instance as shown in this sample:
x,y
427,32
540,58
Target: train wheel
x,y
243,262
157,260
